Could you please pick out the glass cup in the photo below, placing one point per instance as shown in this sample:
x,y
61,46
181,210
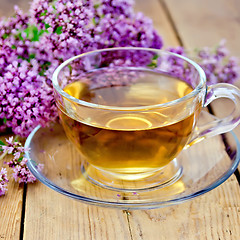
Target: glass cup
x,y
131,111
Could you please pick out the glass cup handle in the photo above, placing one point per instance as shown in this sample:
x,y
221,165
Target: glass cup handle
x,y
219,125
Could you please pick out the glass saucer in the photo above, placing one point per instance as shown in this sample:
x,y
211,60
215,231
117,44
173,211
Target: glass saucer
x,y
204,165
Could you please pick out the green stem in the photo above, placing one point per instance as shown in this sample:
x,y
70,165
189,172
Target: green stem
x,y
3,155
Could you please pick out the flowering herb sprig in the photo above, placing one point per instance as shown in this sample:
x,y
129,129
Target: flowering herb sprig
x,y
20,172
217,63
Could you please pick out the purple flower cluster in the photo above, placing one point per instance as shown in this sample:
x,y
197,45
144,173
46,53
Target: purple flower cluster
x,y
217,64
21,173
26,95
3,181
33,44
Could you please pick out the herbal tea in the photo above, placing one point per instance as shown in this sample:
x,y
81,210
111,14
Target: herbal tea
x,y
130,143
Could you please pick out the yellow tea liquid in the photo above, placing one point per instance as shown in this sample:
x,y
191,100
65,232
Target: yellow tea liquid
x,y
129,143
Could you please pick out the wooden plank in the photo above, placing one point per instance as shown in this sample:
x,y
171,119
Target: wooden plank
x,y
205,23
10,207
50,215
210,22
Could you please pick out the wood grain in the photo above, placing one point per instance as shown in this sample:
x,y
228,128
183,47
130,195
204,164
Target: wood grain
x,y
205,23
10,207
50,215
213,216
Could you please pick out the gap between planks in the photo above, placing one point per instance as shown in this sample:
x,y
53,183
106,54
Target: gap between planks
x,y
24,197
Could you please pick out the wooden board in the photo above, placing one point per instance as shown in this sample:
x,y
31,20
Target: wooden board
x,y
215,215
205,23
10,206
50,215
212,216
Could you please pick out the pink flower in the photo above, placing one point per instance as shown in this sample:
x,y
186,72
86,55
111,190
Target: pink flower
x,y
22,174
8,149
3,181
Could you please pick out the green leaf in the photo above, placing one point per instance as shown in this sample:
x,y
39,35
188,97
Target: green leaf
x,y
41,73
2,143
152,65
154,62
31,56
5,120
43,13
94,21
97,5
70,68
19,36
21,57
5,36
58,30
44,67
14,47
47,25
20,159
33,33
41,32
